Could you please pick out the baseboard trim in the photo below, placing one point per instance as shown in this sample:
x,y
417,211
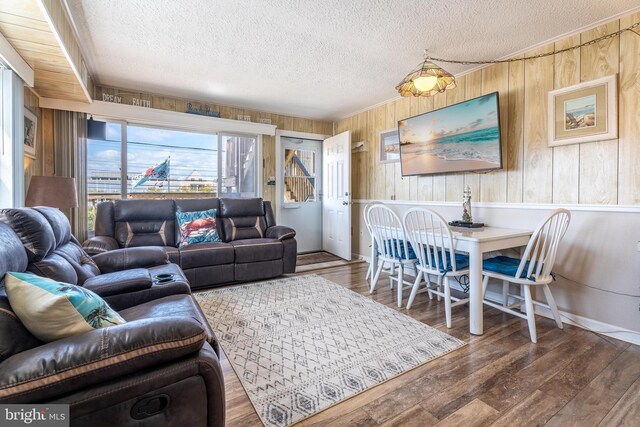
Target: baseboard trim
x,y
586,323
593,325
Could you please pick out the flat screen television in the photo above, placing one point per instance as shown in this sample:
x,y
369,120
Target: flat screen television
x,y
459,138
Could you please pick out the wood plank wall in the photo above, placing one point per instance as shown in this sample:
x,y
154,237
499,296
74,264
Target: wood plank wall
x,y
601,172
33,166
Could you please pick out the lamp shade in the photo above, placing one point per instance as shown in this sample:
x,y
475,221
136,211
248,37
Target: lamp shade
x,y
427,79
54,191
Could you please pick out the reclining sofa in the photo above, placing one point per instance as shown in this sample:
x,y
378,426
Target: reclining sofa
x,y
157,369
123,278
253,247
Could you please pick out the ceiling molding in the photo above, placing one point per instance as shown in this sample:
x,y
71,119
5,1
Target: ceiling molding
x,y
511,55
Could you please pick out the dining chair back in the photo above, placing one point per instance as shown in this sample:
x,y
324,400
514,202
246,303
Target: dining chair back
x,y
374,250
392,247
432,240
540,255
388,232
532,269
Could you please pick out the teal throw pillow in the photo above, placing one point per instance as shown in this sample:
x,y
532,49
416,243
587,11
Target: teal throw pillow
x,y
52,310
197,227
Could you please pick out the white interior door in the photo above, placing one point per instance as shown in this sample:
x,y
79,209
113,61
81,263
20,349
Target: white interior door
x,y
336,203
301,190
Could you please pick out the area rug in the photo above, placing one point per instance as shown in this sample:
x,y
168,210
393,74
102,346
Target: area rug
x,y
302,344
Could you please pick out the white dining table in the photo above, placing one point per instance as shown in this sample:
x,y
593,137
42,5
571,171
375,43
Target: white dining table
x,y
476,242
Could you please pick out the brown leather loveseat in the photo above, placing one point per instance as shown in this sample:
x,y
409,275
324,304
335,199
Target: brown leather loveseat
x,y
253,247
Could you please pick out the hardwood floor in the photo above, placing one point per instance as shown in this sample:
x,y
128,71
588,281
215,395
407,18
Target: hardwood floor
x,y
571,377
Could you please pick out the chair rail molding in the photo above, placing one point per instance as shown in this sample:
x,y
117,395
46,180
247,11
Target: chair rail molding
x,y
490,205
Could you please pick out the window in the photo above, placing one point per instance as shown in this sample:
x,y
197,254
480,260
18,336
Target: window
x,y
238,166
163,163
104,167
299,176
169,161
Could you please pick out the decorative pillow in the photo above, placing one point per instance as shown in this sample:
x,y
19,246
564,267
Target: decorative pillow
x,y
197,227
52,310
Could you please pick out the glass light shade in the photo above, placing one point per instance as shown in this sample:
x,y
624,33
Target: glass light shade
x,y
427,79
425,83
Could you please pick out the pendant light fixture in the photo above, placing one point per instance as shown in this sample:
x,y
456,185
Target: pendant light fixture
x,y
427,79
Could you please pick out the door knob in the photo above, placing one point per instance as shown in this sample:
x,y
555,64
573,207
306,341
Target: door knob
x,y
345,203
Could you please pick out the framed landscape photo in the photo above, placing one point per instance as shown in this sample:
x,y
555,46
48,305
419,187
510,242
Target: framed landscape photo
x,y
389,146
584,112
30,133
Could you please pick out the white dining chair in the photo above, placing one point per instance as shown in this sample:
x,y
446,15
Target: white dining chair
x,y
434,246
392,247
532,269
374,250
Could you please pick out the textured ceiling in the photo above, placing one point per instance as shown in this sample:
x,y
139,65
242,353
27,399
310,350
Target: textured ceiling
x,y
310,58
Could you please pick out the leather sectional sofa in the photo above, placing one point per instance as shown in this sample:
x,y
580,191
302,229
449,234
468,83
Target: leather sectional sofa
x,y
161,368
253,247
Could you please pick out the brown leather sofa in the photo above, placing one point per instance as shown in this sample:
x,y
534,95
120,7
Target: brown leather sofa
x,y
253,247
157,369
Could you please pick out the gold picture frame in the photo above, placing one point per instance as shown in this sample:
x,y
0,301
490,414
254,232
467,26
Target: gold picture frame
x,y
584,112
30,133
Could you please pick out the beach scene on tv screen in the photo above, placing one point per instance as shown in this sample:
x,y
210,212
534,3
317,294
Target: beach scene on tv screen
x,y
460,137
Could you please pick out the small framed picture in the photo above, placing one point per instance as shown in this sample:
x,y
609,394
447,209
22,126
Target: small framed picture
x,y
584,112
30,133
389,146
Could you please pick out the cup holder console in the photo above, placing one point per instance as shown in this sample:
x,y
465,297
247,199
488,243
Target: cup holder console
x,y
163,278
